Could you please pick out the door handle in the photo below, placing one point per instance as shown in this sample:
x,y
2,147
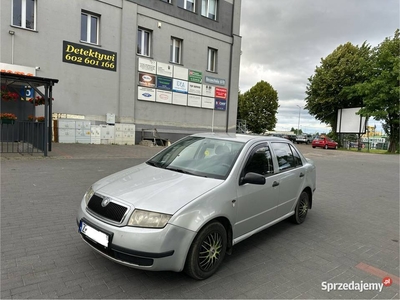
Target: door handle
x,y
302,174
276,183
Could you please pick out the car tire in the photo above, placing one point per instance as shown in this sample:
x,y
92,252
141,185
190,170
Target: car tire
x,y
211,241
326,147
313,146
300,212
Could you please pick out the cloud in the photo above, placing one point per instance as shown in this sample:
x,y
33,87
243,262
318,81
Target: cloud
x,y
284,40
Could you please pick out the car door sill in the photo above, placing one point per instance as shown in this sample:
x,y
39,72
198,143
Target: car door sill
x,y
245,236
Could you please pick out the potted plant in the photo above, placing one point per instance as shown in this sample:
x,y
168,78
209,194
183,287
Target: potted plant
x,y
40,119
31,118
7,118
38,100
7,95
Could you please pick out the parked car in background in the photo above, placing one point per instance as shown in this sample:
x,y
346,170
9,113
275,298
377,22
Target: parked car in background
x,y
324,142
292,138
304,139
187,206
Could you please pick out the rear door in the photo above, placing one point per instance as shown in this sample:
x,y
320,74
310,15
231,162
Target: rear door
x,y
291,176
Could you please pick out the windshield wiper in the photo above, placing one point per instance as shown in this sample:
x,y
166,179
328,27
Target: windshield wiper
x,y
185,172
179,170
153,163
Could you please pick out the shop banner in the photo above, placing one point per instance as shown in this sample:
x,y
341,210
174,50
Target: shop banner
x,y
194,101
164,69
87,56
195,88
208,91
164,96
147,65
195,76
180,73
220,93
148,80
179,99
220,104
146,94
164,83
180,86
207,102
216,81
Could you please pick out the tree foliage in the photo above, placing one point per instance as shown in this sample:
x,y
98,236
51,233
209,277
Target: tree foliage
x,y
380,91
353,76
296,131
325,92
258,106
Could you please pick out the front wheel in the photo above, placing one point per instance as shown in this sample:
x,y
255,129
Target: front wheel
x,y
300,212
207,251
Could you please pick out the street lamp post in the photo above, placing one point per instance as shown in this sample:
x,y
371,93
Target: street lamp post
x,y
298,124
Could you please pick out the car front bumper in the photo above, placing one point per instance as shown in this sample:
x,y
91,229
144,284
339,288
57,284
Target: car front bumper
x,y
162,249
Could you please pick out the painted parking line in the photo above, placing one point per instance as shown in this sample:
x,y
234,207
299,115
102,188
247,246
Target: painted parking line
x,y
377,272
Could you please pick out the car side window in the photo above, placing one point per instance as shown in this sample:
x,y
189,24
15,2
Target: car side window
x,y
296,156
260,161
284,156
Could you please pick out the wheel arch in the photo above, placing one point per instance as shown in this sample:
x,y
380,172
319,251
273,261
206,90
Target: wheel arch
x,y
310,195
227,225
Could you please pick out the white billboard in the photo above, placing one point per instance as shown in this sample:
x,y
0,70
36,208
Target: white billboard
x,y
349,122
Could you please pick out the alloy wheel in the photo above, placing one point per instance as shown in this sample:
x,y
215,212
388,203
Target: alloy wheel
x,y
210,251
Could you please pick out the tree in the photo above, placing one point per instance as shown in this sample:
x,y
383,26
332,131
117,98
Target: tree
x,y
258,106
325,91
296,131
380,90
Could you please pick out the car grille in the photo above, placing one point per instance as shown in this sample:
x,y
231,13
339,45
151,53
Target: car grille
x,y
112,211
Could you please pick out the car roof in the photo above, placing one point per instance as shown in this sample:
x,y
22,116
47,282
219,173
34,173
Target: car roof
x,y
244,138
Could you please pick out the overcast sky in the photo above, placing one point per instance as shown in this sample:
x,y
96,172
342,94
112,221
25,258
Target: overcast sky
x,y
284,40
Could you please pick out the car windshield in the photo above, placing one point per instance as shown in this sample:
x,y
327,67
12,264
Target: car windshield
x,y
199,156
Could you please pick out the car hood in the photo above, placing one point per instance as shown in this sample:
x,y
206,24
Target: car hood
x,y
154,189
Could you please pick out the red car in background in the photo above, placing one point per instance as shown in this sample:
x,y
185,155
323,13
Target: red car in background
x,y
324,142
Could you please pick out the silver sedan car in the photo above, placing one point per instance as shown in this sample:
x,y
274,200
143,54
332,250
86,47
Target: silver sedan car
x,y
187,206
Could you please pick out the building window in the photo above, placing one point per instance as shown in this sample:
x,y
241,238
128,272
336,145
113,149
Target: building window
x,y
168,1
176,50
90,28
212,60
24,13
209,8
143,42
187,4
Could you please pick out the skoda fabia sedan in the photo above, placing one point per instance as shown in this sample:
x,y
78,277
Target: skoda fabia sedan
x,y
187,206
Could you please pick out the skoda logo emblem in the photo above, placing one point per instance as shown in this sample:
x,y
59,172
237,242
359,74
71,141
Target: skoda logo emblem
x,y
105,202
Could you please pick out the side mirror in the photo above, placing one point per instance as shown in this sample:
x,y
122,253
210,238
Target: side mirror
x,y
252,178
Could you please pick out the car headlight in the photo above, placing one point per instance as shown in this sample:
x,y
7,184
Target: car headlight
x,y
143,218
89,193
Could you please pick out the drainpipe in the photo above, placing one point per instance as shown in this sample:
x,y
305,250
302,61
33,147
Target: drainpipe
x,y
12,33
230,70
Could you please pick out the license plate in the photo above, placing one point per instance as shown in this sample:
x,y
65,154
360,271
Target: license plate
x,y
94,234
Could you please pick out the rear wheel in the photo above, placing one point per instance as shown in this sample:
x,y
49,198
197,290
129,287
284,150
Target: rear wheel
x,y
207,251
301,209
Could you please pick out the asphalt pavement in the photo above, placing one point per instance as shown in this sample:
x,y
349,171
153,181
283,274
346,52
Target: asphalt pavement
x,y
349,240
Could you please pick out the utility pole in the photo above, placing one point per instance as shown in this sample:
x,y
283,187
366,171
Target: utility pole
x,y
298,124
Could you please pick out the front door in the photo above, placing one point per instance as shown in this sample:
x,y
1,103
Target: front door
x,y
256,204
